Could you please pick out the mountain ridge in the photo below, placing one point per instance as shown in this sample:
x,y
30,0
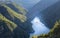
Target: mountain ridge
x,y
16,22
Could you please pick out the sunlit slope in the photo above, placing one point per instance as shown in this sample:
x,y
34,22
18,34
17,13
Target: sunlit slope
x,y
17,8
9,23
20,9
54,32
13,14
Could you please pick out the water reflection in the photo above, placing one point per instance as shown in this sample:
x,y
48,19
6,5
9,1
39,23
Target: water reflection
x,y
39,27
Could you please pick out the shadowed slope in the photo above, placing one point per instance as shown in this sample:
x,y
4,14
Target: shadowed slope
x,y
15,14
16,22
10,24
54,32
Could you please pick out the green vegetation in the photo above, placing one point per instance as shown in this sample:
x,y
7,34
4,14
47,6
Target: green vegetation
x,y
20,9
9,23
54,32
13,14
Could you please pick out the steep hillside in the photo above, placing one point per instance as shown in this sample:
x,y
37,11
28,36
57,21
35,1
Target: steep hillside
x,y
17,8
14,21
9,23
47,11
15,14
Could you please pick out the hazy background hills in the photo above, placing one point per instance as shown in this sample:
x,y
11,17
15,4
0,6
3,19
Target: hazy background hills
x,y
16,16
46,10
